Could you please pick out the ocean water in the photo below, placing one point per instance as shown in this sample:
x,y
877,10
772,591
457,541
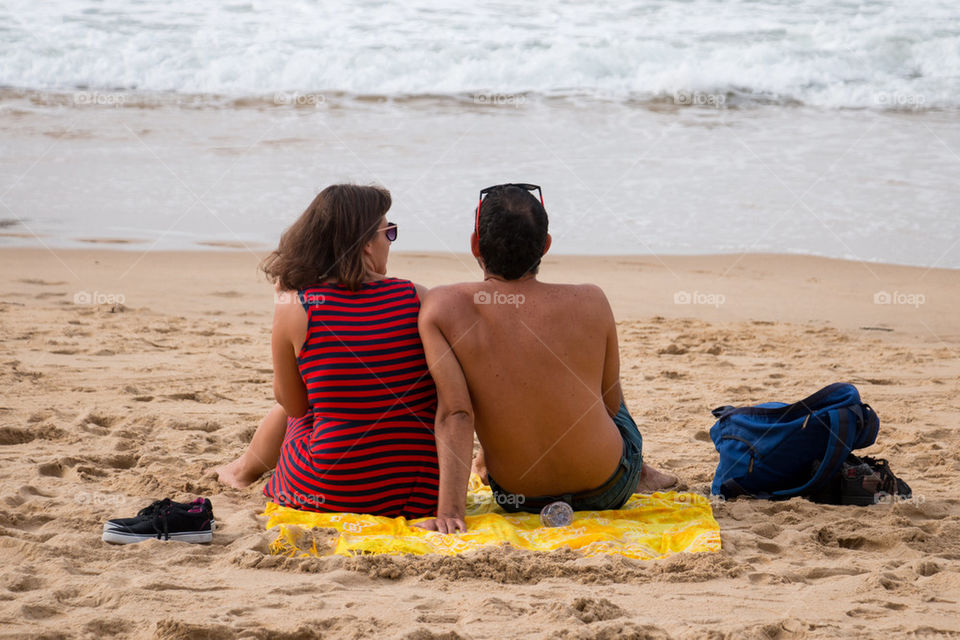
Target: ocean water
x,y
831,53
654,126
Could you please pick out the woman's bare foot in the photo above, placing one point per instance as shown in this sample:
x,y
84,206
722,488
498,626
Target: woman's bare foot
x,y
479,467
262,454
652,480
235,474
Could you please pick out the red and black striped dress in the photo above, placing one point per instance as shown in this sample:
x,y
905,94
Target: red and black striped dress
x,y
367,443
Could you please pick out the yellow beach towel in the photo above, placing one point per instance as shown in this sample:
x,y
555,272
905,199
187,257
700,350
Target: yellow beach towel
x,y
648,526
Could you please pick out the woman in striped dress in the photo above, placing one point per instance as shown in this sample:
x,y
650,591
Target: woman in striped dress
x,y
353,427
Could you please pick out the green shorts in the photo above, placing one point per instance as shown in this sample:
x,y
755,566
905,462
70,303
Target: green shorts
x,y
612,494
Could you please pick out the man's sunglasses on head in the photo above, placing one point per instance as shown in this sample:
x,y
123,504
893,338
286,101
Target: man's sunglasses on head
x,y
483,192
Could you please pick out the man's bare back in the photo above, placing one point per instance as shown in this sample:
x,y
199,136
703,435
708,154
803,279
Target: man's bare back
x,y
541,364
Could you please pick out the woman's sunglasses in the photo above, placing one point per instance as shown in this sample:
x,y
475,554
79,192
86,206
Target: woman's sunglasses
x,y
483,192
391,230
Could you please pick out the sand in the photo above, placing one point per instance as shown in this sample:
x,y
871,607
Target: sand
x,y
127,375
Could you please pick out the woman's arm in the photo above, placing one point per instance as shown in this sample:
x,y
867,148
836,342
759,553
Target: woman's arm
x,y
421,291
289,333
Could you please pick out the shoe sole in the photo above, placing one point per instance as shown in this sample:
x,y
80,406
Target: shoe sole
x,y
109,526
121,537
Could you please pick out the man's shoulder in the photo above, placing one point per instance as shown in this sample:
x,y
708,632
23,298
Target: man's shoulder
x,y
586,303
583,291
449,297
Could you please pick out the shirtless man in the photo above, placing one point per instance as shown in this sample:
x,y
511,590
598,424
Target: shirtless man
x,y
533,368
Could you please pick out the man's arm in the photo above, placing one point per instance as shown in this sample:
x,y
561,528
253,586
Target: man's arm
x,y
453,427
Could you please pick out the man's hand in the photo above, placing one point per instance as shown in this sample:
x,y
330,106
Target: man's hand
x,y
443,525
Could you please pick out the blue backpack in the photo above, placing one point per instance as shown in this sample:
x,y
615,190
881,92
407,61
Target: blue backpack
x,y
776,450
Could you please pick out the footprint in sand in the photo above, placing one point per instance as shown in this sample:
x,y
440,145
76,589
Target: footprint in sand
x,y
767,529
170,586
496,606
769,547
51,469
866,543
107,627
927,568
88,466
767,578
867,614
891,582
43,283
175,630
595,610
21,583
13,435
206,426
197,396
98,419
817,573
39,611
305,588
438,618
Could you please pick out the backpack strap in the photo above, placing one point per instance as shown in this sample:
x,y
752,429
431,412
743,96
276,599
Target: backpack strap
x,y
731,489
786,412
843,433
722,412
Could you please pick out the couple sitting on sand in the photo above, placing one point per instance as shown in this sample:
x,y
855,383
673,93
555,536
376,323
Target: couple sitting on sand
x,y
381,384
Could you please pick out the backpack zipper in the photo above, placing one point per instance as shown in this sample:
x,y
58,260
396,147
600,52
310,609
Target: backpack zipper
x,y
753,451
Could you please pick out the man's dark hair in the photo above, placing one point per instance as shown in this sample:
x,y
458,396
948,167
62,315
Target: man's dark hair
x,y
513,232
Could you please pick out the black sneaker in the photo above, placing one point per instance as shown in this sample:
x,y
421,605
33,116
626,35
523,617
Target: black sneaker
x,y
891,487
859,484
203,504
862,481
164,521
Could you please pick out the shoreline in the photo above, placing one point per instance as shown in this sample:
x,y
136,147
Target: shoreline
x,y
135,245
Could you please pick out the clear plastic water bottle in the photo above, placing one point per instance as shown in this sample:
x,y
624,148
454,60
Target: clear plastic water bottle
x,y
556,514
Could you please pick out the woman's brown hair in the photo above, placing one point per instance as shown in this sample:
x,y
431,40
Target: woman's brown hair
x,y
327,240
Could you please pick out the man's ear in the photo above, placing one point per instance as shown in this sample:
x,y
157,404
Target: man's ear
x,y
475,249
546,245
